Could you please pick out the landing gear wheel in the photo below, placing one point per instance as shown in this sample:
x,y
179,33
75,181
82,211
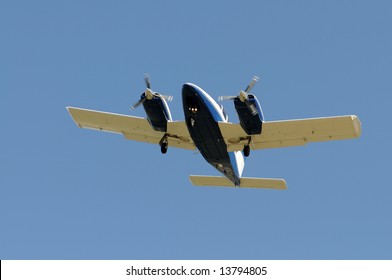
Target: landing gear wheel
x,y
164,144
246,150
164,148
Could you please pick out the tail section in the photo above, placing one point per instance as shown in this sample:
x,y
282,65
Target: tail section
x,y
260,183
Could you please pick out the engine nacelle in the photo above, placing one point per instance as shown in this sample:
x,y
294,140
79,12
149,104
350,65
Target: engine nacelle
x,y
158,113
250,122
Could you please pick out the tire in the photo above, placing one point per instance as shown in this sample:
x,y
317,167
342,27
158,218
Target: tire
x,y
246,151
164,148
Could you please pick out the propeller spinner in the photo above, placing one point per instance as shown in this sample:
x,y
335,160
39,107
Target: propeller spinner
x,y
243,96
149,94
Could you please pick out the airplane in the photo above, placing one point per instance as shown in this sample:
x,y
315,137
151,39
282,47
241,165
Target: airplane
x,y
206,127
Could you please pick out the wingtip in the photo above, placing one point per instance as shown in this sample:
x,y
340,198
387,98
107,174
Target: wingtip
x,y
70,108
283,185
357,125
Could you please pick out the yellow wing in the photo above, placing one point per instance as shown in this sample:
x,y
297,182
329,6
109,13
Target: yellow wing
x,y
277,134
260,183
133,128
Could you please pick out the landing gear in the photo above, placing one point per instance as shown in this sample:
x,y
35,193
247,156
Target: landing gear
x,y
164,144
164,148
246,151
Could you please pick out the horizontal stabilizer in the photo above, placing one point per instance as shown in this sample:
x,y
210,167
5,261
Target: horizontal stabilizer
x,y
261,183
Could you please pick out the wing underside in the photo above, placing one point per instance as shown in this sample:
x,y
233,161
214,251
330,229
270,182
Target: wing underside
x,y
277,134
133,128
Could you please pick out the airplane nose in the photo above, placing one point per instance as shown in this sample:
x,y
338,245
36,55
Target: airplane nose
x,y
188,90
190,98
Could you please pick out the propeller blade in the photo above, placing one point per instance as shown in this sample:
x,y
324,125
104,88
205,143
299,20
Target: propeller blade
x,y
147,81
252,84
167,97
224,98
137,104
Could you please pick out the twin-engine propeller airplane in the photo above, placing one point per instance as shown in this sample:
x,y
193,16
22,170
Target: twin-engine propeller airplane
x,y
206,127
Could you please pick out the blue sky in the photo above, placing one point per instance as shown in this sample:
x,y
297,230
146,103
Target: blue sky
x,y
68,193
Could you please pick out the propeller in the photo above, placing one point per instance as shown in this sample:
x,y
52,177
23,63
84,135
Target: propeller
x,y
149,94
243,96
